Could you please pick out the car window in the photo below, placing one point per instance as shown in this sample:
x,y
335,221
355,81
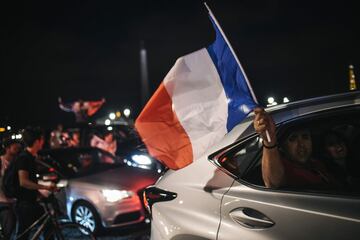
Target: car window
x,y
335,137
106,158
80,163
236,160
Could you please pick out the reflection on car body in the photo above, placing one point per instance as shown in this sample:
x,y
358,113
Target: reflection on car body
x,y
102,191
222,194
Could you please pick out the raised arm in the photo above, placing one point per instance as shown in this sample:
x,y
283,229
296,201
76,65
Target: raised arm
x,y
65,107
272,167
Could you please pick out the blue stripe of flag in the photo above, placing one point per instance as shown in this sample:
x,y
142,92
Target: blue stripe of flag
x,y
240,100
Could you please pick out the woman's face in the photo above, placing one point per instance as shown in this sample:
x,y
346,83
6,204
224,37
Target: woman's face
x,y
109,138
335,147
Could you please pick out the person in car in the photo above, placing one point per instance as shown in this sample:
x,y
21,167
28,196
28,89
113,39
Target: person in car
x,y
74,141
338,159
291,163
108,143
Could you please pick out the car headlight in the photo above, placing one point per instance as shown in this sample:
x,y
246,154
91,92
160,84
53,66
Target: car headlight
x,y
141,159
116,195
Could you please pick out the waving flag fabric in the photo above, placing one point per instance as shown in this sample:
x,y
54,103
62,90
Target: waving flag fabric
x,y
205,94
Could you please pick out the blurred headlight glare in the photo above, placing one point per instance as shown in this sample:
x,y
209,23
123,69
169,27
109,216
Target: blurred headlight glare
x,y
116,195
141,159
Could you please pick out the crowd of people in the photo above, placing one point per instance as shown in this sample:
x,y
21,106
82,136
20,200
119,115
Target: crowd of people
x,y
286,162
21,157
60,138
20,160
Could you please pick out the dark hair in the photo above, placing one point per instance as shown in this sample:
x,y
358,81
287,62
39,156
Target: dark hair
x,y
8,142
31,134
332,133
108,133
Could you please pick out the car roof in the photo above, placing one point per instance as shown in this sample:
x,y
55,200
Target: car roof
x,y
70,150
288,111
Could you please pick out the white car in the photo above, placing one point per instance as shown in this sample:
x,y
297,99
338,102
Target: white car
x,y
222,195
102,190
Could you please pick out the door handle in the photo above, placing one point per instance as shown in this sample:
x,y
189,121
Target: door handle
x,y
251,218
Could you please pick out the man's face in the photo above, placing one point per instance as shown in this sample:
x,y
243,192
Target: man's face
x,y
41,142
76,136
298,146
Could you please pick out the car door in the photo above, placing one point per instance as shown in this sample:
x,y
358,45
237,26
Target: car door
x,y
255,213
249,210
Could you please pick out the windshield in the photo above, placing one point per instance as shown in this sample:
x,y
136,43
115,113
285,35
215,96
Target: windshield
x,y
74,164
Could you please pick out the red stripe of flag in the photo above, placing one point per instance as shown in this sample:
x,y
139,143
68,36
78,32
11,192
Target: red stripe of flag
x,y
162,133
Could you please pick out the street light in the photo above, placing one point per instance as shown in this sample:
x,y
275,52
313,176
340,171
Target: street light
x,y
286,100
112,116
107,122
271,102
127,112
8,128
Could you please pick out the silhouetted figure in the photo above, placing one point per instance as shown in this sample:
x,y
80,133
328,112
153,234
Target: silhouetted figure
x,y
7,214
82,109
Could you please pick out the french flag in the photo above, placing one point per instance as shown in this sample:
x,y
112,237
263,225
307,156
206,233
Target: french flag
x,y
205,94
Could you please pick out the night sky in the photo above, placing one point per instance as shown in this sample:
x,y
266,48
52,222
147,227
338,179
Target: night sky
x,y
90,49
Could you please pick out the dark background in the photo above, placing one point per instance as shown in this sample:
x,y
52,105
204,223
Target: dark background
x,y
90,49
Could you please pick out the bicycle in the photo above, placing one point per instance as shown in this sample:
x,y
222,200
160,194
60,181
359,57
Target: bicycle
x,y
59,230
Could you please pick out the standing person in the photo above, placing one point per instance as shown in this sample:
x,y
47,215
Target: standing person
x,y
7,215
56,136
82,109
27,207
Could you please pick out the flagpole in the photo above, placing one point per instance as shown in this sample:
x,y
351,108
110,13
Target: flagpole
x,y
238,62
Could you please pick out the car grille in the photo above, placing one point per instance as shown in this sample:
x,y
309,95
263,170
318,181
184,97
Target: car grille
x,y
127,217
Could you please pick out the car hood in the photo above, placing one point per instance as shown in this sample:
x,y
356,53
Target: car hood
x,y
128,178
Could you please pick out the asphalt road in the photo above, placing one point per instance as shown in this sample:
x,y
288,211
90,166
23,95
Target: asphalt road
x,y
138,232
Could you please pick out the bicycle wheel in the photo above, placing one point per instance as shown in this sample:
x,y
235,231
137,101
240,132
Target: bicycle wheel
x,y
72,231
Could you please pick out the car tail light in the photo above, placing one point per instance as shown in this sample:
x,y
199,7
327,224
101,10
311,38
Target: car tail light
x,y
153,195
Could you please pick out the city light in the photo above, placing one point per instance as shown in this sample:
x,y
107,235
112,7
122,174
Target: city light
x,y
18,136
127,112
118,114
270,100
109,128
2,129
8,128
107,122
286,100
112,116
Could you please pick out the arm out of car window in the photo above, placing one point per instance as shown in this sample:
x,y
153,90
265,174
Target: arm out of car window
x,y
272,166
